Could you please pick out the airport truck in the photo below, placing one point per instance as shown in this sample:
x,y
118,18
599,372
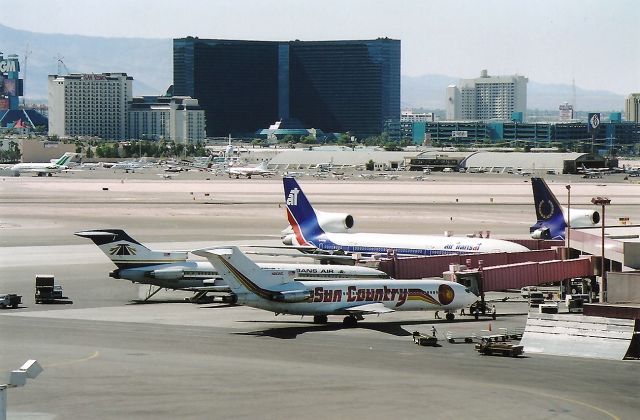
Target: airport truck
x,y
489,347
46,289
10,300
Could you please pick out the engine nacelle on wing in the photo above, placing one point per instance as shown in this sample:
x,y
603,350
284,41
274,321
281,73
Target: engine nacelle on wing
x,y
293,296
542,233
584,218
335,222
166,274
289,240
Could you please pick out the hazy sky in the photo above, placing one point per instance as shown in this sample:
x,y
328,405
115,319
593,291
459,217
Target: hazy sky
x,y
549,41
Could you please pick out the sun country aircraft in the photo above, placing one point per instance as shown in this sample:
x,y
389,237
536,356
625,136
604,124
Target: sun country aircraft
x,y
44,168
328,232
278,291
552,217
248,171
172,269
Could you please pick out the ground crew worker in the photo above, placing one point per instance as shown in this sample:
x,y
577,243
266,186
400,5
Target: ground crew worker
x,y
437,315
493,311
433,330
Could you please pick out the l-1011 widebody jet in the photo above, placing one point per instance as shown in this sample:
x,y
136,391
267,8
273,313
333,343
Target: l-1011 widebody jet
x,y
173,269
44,168
278,291
552,217
314,231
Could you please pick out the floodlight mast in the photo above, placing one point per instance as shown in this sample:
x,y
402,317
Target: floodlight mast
x,y
30,369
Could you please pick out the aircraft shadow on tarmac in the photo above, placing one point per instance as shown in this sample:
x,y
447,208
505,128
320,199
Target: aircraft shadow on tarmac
x,y
292,331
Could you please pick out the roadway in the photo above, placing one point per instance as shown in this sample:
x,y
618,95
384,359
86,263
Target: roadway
x,y
108,357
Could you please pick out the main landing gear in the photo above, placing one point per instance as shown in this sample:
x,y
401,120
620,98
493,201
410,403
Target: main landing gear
x,y
349,321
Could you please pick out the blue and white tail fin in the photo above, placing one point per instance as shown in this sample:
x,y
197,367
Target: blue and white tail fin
x,y
126,252
242,274
302,218
551,223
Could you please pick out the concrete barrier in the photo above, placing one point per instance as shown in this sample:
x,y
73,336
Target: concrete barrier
x,y
581,336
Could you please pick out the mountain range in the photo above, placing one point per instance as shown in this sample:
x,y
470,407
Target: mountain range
x,y
150,63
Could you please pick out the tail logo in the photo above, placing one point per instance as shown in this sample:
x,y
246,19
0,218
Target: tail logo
x,y
546,209
122,249
292,199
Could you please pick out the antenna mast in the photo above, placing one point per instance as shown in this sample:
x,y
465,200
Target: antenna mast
x,y
27,53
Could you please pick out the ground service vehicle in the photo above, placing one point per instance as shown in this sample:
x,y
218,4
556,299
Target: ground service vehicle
x,y
46,289
10,300
526,290
424,340
489,347
535,299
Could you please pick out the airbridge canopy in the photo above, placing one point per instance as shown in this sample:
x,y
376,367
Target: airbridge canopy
x,y
501,271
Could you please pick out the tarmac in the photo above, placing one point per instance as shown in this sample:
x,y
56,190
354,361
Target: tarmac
x,y
106,356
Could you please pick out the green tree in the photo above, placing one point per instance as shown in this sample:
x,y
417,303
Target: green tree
x,y
369,165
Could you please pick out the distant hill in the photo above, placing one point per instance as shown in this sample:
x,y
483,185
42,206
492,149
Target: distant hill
x,y
150,63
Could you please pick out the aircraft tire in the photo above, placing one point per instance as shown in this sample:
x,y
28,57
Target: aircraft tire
x,y
450,316
350,321
320,319
231,300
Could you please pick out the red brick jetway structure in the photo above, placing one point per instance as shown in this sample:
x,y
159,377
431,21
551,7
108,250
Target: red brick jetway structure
x,y
500,271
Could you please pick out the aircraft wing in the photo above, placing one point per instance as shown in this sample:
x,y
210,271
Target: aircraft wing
x,y
338,259
369,308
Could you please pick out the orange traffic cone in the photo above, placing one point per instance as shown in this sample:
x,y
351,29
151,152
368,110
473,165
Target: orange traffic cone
x,y
489,326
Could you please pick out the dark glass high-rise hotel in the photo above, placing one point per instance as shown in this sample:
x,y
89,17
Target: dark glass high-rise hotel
x,y
336,86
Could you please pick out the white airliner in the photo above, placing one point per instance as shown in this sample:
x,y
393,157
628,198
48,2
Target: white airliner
x,y
249,171
280,292
172,269
44,168
127,165
328,232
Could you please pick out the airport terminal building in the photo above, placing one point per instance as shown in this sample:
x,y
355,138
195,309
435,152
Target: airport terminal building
x,y
334,86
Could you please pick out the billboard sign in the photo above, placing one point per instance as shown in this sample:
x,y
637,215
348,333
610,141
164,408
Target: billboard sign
x,y
7,66
566,111
9,87
594,121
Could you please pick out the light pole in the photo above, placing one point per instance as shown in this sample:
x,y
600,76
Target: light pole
x,y
30,369
569,217
603,201
568,286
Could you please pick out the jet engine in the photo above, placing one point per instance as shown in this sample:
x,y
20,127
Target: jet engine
x,y
293,296
335,222
584,218
166,274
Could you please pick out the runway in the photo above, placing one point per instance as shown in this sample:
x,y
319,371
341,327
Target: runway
x,y
107,357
